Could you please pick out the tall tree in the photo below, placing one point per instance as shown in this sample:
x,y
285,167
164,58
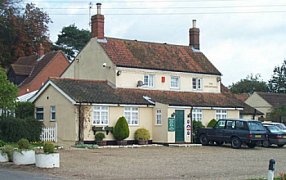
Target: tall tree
x,y
249,84
8,94
277,83
72,40
21,32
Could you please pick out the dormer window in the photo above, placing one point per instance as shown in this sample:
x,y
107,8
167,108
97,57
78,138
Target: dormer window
x,y
197,84
149,80
175,82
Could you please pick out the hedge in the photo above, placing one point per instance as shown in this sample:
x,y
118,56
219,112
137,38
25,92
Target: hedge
x,y
13,129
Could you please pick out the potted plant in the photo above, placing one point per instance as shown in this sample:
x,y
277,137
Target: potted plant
x,y
24,155
121,131
48,159
7,153
142,135
3,154
99,139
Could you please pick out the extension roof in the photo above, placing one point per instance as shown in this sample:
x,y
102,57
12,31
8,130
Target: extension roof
x,y
157,56
100,92
274,99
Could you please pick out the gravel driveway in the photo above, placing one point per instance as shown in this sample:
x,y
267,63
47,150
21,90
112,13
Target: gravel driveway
x,y
207,162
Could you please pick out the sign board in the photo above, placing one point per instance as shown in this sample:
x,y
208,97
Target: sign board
x,y
171,124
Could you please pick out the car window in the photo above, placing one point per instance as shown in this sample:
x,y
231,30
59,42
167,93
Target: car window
x,y
241,125
230,124
220,124
273,129
281,126
255,126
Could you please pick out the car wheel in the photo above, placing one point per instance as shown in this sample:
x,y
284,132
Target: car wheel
x,y
280,145
219,143
204,140
251,145
266,143
235,143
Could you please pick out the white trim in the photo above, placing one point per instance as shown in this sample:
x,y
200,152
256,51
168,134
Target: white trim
x,y
32,99
206,108
149,99
224,108
134,105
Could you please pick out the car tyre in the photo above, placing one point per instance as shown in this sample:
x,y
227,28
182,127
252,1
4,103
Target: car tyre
x,y
280,145
235,143
204,140
266,143
251,145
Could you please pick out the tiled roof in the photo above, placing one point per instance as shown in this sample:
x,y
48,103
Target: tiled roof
x,y
275,99
147,55
242,96
20,69
86,91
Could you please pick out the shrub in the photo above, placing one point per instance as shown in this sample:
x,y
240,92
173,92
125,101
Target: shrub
x,y
8,149
49,147
196,126
2,143
99,137
212,123
142,134
121,129
24,110
23,144
13,129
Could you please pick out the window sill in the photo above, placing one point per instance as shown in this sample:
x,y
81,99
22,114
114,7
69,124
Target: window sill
x,y
158,125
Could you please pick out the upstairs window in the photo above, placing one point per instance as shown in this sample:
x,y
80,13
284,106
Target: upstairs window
x,y
132,115
100,115
149,80
53,113
197,115
197,84
221,114
40,113
175,82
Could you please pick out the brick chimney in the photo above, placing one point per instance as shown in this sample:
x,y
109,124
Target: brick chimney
x,y
194,34
97,24
41,50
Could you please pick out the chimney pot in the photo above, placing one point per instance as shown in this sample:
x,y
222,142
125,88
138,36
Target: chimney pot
x,y
194,23
98,5
194,36
41,50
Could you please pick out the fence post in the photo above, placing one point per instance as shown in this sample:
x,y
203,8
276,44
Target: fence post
x,y
271,169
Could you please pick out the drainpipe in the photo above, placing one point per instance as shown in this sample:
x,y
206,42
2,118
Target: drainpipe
x,y
191,121
80,124
254,114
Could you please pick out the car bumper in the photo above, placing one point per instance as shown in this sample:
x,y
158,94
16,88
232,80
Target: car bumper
x,y
277,141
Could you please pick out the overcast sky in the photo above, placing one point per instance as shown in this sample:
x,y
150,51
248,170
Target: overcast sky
x,y
240,37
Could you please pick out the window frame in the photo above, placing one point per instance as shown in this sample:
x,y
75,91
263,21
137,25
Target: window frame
x,y
51,113
100,111
150,83
158,114
221,114
197,84
37,112
197,114
128,114
178,82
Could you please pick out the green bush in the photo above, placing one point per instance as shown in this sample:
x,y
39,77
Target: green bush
x,y
23,144
99,137
24,110
212,123
142,134
49,147
8,149
121,129
13,129
196,126
2,143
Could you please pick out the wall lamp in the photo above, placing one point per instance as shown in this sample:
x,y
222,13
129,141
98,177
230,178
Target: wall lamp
x,y
104,65
118,73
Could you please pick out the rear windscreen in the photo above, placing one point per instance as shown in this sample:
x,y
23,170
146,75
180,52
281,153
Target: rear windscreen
x,y
255,126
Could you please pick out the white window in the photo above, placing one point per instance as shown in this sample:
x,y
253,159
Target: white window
x,y
39,113
197,115
149,80
221,114
158,117
100,115
197,84
175,82
53,113
132,115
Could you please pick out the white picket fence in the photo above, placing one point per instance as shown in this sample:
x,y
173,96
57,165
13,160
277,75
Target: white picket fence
x,y
49,134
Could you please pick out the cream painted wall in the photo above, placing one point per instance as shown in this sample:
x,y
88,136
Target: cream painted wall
x,y
160,132
130,76
259,103
209,114
67,123
88,64
145,121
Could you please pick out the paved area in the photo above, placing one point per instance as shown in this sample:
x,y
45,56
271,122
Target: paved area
x,y
196,162
22,175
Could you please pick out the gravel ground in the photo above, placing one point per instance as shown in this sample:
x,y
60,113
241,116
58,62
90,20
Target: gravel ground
x,y
207,162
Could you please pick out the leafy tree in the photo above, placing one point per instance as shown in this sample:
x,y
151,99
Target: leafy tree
x,y
24,110
121,129
72,40
21,32
8,94
277,83
278,114
197,125
249,85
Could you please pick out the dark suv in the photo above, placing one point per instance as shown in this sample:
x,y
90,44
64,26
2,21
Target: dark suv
x,y
234,131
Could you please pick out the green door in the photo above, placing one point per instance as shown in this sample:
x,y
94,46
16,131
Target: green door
x,y
179,119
